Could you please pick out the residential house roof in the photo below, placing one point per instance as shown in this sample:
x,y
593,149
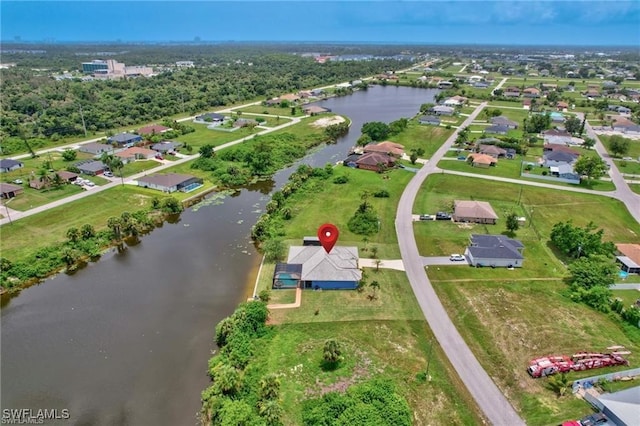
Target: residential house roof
x,y
441,109
482,159
65,175
386,147
375,158
124,137
165,146
562,104
470,208
624,405
7,163
5,188
91,166
213,116
560,148
488,140
497,129
455,100
492,150
560,157
504,121
495,247
314,109
95,147
632,251
531,91
167,180
153,129
429,119
341,264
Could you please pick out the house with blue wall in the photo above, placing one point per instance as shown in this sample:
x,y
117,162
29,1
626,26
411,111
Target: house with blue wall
x,y
125,139
317,269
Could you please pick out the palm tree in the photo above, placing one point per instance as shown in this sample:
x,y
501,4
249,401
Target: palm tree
x,y
113,163
375,285
87,231
73,234
115,224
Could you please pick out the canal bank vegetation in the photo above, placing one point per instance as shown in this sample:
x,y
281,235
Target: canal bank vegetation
x,y
83,243
515,316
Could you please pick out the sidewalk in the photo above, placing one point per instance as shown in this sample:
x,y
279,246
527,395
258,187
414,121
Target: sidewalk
x,y
295,304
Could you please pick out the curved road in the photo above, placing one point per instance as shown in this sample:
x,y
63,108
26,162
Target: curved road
x,y
486,394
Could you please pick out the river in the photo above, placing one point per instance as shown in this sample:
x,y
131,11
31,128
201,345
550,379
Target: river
x,y
125,341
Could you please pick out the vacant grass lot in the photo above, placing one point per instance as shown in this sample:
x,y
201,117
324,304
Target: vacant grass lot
x,y
429,138
506,324
339,202
31,198
396,350
203,136
272,110
634,146
514,316
628,167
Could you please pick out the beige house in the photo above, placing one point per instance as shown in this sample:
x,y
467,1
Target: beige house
x,y
474,211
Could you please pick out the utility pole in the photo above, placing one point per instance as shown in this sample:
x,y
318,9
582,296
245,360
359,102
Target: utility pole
x,y
84,126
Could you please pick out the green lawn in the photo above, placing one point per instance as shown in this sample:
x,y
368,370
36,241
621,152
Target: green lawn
x,y
628,167
272,110
429,138
504,168
339,202
203,136
628,297
634,146
506,324
31,167
635,187
137,167
31,198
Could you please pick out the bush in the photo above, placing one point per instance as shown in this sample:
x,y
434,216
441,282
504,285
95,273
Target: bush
x,y
341,180
383,193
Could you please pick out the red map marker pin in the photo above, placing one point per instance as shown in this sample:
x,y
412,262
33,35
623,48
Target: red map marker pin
x,y
328,235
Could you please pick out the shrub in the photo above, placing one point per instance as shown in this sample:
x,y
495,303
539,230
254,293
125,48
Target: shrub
x,y
383,193
340,180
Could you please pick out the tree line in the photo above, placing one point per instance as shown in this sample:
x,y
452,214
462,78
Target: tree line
x,y
39,108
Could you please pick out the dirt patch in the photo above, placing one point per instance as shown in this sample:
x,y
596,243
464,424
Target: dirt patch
x,y
329,121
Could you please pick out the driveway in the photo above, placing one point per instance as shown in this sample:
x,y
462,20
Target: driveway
x,y
443,261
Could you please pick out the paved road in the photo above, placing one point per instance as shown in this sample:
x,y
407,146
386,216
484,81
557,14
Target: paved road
x,y
486,394
621,286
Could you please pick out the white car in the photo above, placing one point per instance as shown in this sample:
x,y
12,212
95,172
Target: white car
x,y
108,174
457,258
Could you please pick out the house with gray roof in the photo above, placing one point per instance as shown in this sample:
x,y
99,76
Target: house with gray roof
x,y
432,120
441,110
9,165
92,167
95,148
165,146
209,118
555,136
621,407
556,158
494,251
497,129
335,270
124,139
504,121
170,182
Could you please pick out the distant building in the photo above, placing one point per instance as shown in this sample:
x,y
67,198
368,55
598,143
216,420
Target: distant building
x,y
9,165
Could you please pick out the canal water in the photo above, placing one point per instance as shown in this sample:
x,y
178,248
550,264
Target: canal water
x,y
125,341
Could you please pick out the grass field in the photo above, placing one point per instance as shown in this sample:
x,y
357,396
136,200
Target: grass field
x,y
203,136
628,167
508,323
429,138
272,110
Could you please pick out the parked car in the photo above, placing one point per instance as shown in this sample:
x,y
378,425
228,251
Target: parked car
x,y
443,216
457,258
89,183
108,174
594,419
427,217
18,181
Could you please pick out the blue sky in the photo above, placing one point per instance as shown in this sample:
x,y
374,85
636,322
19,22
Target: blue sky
x,y
467,22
